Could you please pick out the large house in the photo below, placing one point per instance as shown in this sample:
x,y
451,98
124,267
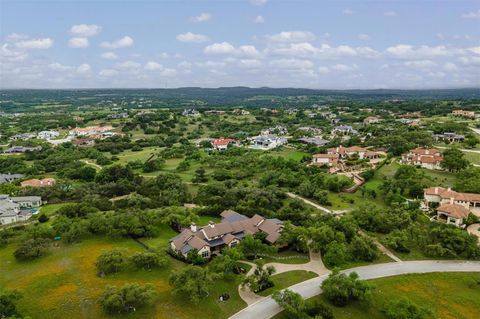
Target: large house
x,y
15,209
426,158
346,152
316,140
221,144
344,130
7,178
328,160
91,130
449,137
22,136
190,112
372,120
278,129
21,149
463,113
267,142
46,135
453,207
212,238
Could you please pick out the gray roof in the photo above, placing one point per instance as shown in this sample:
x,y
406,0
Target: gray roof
x,y
314,140
7,178
26,198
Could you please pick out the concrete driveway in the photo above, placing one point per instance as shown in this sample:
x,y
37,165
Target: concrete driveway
x,y
266,307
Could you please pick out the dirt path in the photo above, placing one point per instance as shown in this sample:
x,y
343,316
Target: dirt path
x,y
317,206
382,248
91,163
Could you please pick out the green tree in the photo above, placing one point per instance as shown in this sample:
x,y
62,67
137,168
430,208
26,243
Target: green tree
x,y
292,303
111,261
192,282
148,260
363,248
200,176
341,289
260,279
32,248
8,300
227,262
127,298
336,254
252,247
404,308
454,160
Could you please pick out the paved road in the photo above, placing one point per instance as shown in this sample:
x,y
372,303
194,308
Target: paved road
x,y
313,204
267,307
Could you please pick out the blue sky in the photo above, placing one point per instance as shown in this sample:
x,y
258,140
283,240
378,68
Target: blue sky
x,y
277,43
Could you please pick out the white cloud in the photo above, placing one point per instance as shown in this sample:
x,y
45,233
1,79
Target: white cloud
x,y
184,65
325,51
390,13
421,64
363,37
347,12
44,43
258,2
128,65
250,63
405,51
291,36
109,55
228,49
472,15
292,64
59,67
78,43
192,37
8,53
259,20
203,17
323,70
124,42
13,37
85,30
107,72
451,67
83,68
343,67
153,66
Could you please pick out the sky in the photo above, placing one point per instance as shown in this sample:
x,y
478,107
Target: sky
x,y
319,44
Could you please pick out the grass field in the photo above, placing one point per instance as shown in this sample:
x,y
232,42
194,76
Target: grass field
x,y
64,284
51,209
448,295
287,279
474,158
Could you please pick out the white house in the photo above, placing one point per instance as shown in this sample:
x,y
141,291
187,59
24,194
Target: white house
x,y
46,135
15,209
267,142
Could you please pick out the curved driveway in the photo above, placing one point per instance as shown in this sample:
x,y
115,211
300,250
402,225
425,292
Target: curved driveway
x,y
267,307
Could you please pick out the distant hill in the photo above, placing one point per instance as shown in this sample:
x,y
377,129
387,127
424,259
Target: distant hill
x,y
223,96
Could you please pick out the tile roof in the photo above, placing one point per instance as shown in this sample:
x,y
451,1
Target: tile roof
x,y
455,210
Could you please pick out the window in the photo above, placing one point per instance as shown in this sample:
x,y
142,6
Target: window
x,y
205,254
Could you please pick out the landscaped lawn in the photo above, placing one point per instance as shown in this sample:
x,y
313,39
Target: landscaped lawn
x,y
64,284
50,209
289,153
448,295
285,257
474,158
287,279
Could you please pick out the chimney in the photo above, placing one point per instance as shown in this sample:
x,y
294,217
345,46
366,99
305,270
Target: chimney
x,y
211,224
449,189
451,200
436,190
193,228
